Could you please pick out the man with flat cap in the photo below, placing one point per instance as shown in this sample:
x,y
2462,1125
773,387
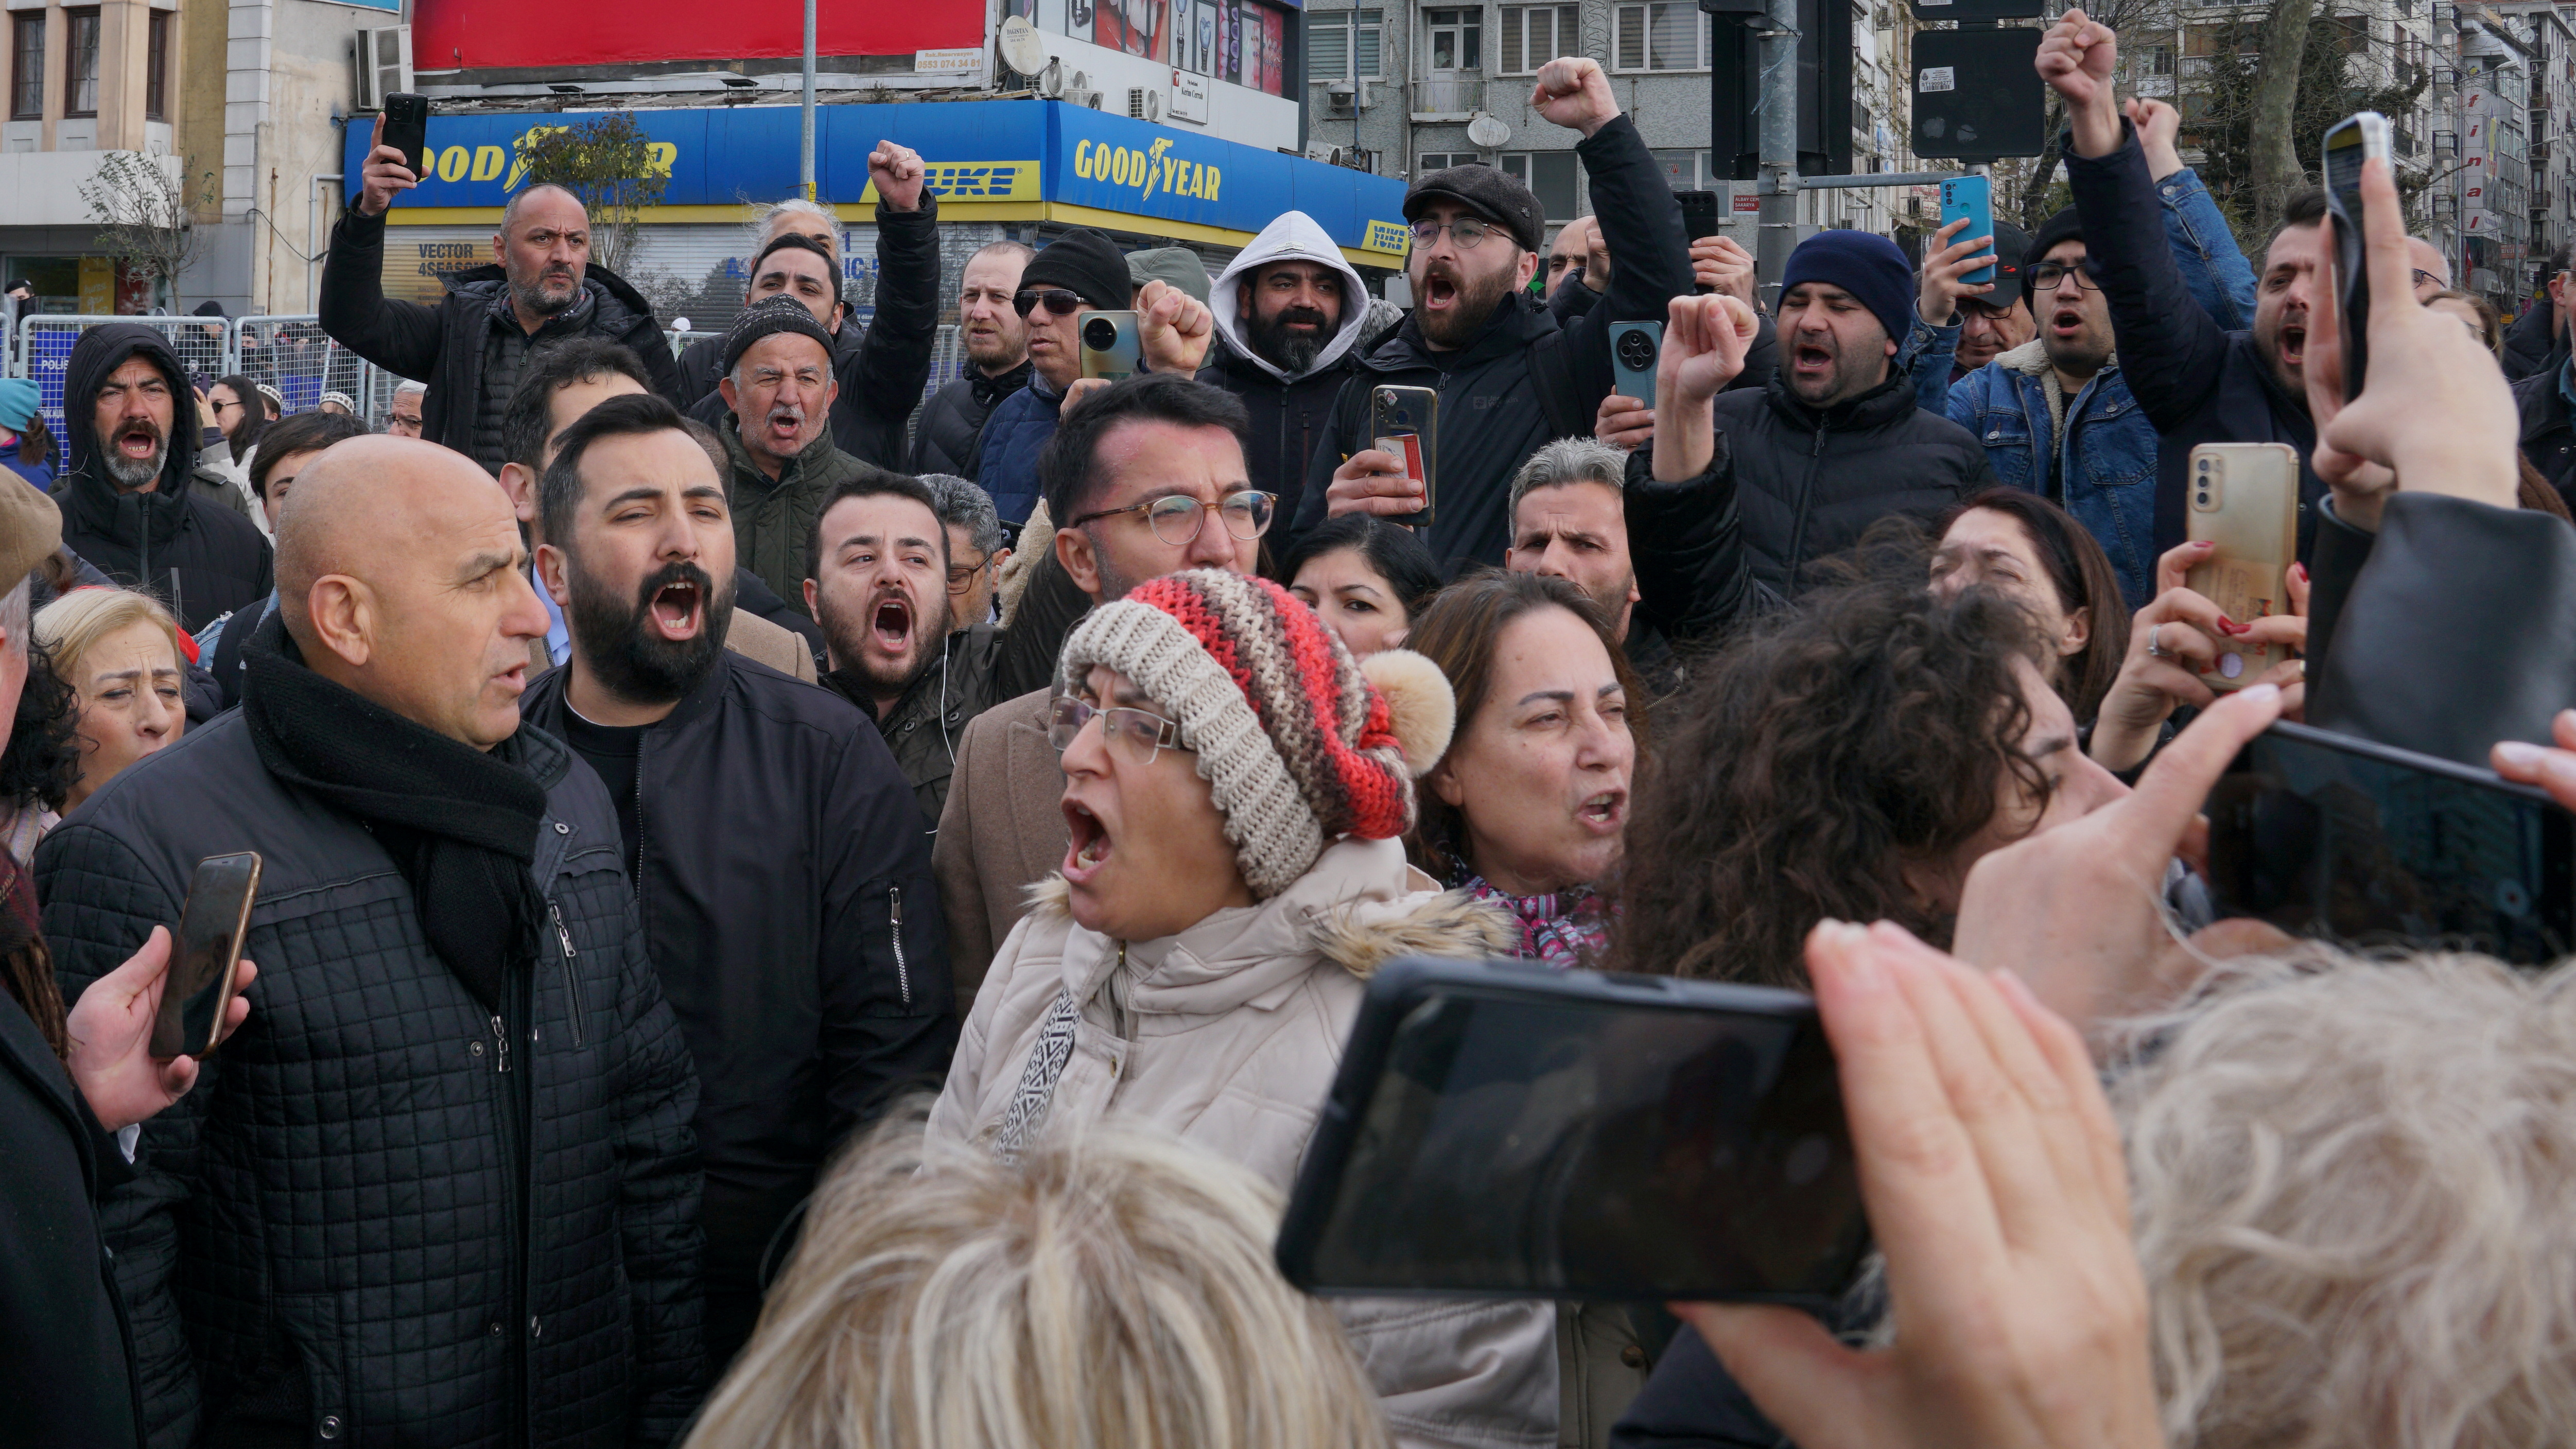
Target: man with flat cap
x,y
778,386
1076,273
1509,377
442,1187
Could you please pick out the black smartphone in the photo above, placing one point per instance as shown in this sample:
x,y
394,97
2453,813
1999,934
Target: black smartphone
x,y
203,952
1502,1130
2353,140
1699,218
2369,846
407,128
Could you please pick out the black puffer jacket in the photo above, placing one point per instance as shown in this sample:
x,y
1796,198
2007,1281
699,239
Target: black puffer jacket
x,y
1811,483
2548,434
176,542
789,907
452,346
386,1216
2532,345
944,437
1522,381
881,368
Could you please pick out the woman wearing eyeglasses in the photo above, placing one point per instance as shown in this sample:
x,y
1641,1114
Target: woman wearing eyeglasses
x,y
1235,789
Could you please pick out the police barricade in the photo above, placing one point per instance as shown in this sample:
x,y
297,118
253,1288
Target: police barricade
x,y
293,355
45,342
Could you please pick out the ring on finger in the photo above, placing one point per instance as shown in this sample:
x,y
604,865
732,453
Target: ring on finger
x,y
2155,645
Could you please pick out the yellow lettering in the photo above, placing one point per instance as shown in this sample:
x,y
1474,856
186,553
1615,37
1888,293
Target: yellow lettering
x,y
488,161
1210,192
452,163
1082,159
659,157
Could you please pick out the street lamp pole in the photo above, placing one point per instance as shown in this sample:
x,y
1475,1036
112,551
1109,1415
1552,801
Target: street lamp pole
x,y
805,138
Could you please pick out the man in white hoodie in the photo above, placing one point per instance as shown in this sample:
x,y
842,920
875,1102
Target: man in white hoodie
x,y
1290,315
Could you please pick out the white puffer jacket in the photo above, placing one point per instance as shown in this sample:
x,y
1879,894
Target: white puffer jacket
x,y
1227,1035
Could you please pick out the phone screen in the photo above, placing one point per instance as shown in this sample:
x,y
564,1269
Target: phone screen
x,y
1598,1150
2374,847
202,954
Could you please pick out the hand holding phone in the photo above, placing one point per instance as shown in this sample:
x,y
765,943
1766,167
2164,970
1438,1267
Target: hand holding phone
x,y
2244,498
1971,199
199,990
1403,425
397,160
111,1028
1634,348
2353,140
1110,347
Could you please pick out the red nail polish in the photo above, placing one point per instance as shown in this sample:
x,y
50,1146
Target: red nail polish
x,y
2228,624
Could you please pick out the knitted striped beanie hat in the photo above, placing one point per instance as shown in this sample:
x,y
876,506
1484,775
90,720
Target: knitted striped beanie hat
x,y
1300,745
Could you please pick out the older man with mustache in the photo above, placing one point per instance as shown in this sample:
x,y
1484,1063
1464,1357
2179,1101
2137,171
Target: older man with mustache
x,y
778,387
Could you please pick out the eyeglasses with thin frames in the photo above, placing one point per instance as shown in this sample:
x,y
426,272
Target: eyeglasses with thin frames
x,y
1177,518
1468,232
961,577
1140,735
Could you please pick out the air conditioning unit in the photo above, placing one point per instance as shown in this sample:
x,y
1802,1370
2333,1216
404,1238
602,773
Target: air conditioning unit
x,y
1136,103
384,65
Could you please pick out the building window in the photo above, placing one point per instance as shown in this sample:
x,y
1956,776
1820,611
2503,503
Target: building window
x,y
1456,39
1550,176
27,66
1666,35
1430,161
1345,45
80,73
1685,170
156,74
1533,35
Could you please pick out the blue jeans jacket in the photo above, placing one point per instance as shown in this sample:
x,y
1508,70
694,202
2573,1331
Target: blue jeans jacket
x,y
2106,463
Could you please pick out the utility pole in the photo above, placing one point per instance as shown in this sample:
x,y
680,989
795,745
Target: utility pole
x,y
1778,145
805,139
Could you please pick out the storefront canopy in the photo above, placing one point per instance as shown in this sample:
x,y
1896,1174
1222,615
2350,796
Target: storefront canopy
x,y
989,161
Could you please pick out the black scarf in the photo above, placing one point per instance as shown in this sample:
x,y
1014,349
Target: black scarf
x,y
460,823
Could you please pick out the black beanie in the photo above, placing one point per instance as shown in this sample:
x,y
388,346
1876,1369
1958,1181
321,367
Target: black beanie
x,y
766,317
1087,264
2065,226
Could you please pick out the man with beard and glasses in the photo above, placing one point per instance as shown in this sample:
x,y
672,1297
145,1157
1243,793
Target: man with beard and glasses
x,y
1509,375
883,365
776,855
876,577
1834,441
129,506
2196,381
1081,271
778,390
470,346
997,361
1290,314
460,1082
562,382
1149,478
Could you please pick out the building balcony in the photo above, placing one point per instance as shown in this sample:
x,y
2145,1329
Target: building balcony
x,y
1448,99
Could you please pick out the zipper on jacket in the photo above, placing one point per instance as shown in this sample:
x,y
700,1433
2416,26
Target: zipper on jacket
x,y
1806,501
902,971
572,978
501,1034
637,882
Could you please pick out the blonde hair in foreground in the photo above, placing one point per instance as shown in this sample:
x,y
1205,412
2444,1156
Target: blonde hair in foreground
x,y
2355,1201
73,624
1115,1289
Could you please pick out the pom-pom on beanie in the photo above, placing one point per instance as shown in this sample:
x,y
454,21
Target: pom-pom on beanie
x,y
1298,744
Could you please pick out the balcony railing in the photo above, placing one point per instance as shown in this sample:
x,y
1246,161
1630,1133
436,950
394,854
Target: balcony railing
x,y
1448,97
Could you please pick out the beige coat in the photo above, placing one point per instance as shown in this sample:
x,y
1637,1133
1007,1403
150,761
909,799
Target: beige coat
x,y
1001,832
1228,1035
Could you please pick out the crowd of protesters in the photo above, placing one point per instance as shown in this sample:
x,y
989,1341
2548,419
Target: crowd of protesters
x,y
793,918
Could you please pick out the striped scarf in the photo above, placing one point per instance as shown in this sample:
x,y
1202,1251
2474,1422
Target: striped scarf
x,y
1565,929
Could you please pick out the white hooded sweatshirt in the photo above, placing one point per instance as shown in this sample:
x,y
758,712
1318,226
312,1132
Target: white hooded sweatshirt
x,y
1294,237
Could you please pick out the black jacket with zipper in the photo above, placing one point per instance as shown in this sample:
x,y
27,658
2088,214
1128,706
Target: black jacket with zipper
x,y
446,345
951,425
881,367
1523,381
387,1215
177,542
788,905
1809,483
1288,418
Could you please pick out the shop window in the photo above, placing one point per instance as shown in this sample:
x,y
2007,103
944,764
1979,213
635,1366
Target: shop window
x,y
1345,45
156,74
1533,35
1665,35
80,71
27,65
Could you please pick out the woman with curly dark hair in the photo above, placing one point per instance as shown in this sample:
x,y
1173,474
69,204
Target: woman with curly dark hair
x,y
1850,759
42,759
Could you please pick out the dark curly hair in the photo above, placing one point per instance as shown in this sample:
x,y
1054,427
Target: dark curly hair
x,y
42,759
1809,764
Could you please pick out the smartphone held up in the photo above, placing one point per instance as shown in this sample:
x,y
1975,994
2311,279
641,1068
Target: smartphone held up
x,y
205,956
2352,141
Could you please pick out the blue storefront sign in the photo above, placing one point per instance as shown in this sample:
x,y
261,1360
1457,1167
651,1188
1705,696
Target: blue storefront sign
x,y
1032,160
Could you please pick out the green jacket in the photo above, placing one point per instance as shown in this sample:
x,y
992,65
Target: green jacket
x,y
923,726
773,518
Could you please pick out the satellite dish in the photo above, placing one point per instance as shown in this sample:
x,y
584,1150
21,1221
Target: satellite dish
x,y
1022,50
1488,132
1051,79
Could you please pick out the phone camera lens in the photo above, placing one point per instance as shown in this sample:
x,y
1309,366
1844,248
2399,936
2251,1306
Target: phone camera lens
x,y
1636,351
1100,334
2204,465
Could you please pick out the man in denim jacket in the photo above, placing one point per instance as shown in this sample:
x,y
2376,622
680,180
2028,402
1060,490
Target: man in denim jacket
x,y
2055,415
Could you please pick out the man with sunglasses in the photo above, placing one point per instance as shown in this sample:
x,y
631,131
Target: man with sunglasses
x,y
1081,271
1510,375
1148,477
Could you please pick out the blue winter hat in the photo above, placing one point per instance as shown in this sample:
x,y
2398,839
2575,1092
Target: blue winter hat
x,y
1864,264
18,403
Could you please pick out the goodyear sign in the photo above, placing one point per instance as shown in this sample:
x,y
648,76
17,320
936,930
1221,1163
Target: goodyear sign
x,y
1035,160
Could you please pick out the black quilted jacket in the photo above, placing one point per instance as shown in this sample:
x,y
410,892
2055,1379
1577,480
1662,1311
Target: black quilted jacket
x,y
386,1216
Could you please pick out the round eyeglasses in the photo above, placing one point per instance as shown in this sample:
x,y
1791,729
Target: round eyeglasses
x,y
1177,518
1468,232
1139,735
